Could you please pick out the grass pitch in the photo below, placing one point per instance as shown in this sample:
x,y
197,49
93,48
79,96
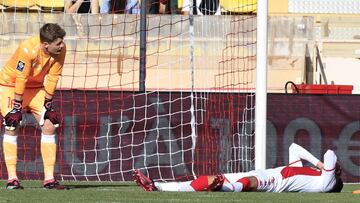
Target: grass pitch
x,y
129,192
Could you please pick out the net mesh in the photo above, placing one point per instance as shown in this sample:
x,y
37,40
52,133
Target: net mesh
x,y
195,117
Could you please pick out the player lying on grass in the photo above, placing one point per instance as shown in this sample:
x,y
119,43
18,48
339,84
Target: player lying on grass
x,y
291,178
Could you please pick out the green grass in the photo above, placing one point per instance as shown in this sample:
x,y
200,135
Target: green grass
x,y
129,192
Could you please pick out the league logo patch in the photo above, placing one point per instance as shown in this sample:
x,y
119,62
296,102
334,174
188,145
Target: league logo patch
x,y
20,66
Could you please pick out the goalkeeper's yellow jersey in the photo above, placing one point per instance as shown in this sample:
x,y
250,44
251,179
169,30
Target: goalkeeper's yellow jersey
x,y
30,65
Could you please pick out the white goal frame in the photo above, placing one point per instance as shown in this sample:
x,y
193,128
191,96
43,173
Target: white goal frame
x,y
261,85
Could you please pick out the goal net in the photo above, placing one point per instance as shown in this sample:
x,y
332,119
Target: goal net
x,y
170,94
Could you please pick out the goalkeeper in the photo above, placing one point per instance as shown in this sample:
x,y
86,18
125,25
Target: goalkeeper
x,y
28,82
291,178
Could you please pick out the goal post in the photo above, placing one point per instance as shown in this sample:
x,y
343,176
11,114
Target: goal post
x,y
261,85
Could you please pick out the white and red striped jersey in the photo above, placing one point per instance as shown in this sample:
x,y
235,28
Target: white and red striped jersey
x,y
295,177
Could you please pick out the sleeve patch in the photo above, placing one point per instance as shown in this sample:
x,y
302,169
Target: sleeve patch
x,y
20,66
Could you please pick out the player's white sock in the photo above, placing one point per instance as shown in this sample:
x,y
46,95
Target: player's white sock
x,y
238,187
227,187
175,186
10,155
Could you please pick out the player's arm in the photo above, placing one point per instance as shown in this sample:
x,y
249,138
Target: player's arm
x,y
328,172
298,153
52,79
330,160
186,7
71,7
94,6
54,74
22,72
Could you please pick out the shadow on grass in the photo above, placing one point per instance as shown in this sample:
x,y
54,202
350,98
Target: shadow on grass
x,y
75,186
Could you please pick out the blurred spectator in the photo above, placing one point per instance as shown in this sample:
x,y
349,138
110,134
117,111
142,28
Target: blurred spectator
x,y
202,7
134,6
105,6
81,6
113,6
154,6
169,7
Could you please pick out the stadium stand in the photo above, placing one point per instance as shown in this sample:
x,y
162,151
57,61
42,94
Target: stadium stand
x,y
18,3
238,6
38,5
50,4
9,5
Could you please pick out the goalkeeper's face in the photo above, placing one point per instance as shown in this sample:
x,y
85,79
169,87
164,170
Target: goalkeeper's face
x,y
55,47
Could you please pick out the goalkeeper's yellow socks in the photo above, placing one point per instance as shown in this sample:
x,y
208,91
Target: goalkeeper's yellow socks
x,y
10,155
48,154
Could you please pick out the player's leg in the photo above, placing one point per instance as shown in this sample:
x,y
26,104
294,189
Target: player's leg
x,y
202,183
48,138
217,183
244,184
199,184
143,181
9,139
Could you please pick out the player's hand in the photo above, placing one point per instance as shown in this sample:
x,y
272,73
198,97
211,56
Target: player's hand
x,y
14,117
48,112
320,165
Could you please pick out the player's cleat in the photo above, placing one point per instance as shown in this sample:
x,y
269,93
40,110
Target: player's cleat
x,y
357,192
14,184
54,185
217,183
144,182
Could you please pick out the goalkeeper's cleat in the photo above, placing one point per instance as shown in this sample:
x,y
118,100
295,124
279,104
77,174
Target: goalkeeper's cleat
x,y
144,182
14,184
217,183
54,185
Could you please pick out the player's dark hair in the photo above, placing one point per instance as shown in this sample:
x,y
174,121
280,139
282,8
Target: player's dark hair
x,y
338,186
49,32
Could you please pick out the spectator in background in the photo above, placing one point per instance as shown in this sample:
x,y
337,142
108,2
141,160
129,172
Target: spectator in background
x,y
113,6
168,7
105,6
81,6
116,6
133,6
202,7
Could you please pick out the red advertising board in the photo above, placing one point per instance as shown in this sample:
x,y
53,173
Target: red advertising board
x,y
104,135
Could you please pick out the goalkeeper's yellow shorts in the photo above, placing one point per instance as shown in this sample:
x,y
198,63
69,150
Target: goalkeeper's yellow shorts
x,y
33,99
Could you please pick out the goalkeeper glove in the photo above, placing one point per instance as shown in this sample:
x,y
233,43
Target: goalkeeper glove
x,y
48,112
14,117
